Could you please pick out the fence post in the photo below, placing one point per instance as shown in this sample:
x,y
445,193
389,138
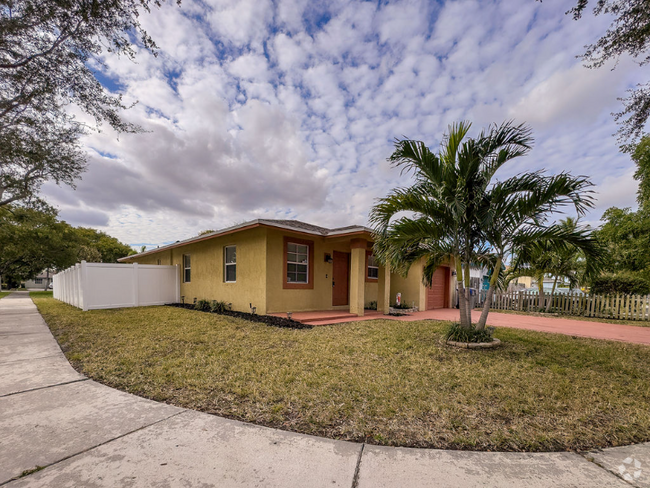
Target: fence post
x,y
136,286
83,282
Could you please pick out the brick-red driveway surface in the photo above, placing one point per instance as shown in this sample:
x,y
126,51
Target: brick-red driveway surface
x,y
582,328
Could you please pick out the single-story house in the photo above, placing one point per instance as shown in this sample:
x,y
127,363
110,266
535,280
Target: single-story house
x,y
291,266
41,281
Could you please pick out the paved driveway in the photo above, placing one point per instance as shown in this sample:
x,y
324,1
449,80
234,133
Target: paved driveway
x,y
581,328
84,434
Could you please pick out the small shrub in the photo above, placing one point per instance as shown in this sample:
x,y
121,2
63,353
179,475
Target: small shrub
x,y
401,306
371,306
625,282
218,306
457,333
203,305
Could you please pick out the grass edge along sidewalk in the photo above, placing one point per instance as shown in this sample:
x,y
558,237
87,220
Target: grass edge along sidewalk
x,y
382,382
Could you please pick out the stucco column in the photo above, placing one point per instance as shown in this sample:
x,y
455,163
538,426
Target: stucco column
x,y
383,293
358,276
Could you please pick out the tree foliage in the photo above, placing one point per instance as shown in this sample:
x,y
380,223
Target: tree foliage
x,y
623,282
641,156
99,247
50,51
33,240
625,235
629,33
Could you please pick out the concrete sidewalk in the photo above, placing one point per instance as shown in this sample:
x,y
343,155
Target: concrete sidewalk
x,y
85,434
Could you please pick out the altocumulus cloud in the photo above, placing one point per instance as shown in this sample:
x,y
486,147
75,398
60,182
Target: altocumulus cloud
x,y
288,108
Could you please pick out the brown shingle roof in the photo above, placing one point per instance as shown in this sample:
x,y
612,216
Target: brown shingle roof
x,y
283,224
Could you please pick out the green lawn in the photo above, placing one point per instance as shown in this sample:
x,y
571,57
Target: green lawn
x,y
638,323
4,293
40,294
383,382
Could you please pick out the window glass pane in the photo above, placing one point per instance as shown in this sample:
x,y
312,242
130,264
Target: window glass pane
x,y
302,258
231,254
187,275
186,260
292,257
373,272
301,268
291,268
231,273
291,277
291,248
372,261
301,278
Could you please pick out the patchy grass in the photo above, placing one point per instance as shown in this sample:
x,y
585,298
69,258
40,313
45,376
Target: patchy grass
x,y
383,382
40,294
4,293
638,323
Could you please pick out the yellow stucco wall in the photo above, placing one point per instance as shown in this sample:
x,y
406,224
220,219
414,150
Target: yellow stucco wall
x,y
207,273
411,287
318,298
371,291
260,271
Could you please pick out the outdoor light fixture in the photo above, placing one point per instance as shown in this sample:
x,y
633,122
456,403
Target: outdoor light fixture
x,y
328,258
453,273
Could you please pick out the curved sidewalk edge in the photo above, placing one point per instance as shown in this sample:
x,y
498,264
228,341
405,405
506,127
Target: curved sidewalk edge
x,y
86,434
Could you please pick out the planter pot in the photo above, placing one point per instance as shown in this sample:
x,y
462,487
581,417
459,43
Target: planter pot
x,y
475,345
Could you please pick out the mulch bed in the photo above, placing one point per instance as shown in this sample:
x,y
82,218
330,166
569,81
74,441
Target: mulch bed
x,y
265,319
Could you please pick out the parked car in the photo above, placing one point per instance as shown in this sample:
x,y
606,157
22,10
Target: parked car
x,y
50,286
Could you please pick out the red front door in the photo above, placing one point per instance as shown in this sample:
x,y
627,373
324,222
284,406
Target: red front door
x,y
340,278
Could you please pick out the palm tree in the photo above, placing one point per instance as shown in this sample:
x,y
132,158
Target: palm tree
x,y
457,213
576,260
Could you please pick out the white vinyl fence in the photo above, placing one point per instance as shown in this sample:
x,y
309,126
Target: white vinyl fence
x,y
92,286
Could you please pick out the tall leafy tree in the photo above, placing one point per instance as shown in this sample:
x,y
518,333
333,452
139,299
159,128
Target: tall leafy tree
x,y
50,51
98,246
625,235
629,33
33,240
457,211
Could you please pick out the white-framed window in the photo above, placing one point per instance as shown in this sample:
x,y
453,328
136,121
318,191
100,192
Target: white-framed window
x,y
38,281
297,263
373,268
187,268
230,264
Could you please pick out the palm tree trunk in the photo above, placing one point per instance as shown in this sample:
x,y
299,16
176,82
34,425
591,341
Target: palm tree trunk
x,y
548,305
490,293
462,305
542,295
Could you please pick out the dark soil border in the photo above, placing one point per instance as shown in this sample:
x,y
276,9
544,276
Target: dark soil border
x,y
269,320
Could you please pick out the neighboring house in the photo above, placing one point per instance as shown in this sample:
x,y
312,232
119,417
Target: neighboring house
x,y
41,281
292,266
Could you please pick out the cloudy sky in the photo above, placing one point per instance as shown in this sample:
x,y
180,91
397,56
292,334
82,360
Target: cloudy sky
x,y
288,108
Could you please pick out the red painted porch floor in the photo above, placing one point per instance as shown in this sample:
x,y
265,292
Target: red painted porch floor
x,y
580,328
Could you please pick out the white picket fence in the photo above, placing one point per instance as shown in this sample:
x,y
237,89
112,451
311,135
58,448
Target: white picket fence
x,y
91,286
624,307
